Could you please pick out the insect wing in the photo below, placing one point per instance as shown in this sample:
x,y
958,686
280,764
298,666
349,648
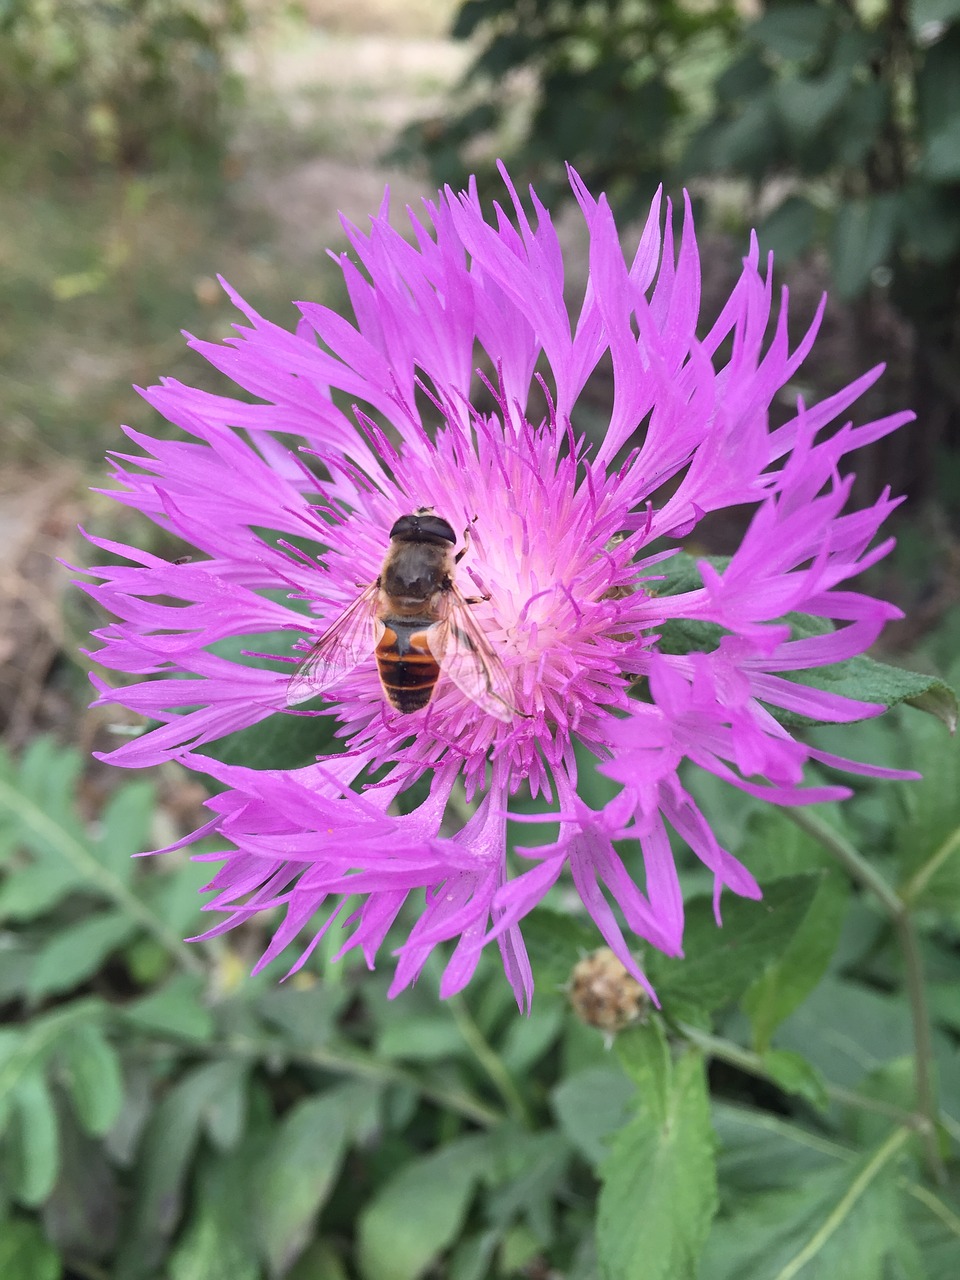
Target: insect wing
x,y
468,658
342,647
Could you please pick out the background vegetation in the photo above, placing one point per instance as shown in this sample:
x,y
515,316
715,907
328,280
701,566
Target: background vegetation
x,y
794,1110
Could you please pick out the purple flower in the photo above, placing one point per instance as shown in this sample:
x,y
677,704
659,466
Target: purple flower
x,y
568,560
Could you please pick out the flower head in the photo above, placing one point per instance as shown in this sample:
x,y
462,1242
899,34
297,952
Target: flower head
x,y
459,388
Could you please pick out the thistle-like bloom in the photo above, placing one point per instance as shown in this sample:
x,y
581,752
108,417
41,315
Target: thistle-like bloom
x,y
457,387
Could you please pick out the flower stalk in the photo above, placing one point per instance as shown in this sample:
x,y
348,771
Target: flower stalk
x,y
901,918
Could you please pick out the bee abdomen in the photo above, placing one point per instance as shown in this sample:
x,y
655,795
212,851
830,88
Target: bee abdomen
x,y
408,670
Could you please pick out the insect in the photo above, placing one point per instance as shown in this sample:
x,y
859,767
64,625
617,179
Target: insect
x,y
417,622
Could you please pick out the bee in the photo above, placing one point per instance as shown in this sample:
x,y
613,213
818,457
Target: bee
x,y
416,622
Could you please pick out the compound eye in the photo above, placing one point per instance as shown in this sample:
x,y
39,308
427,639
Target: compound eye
x,y
424,526
405,527
437,527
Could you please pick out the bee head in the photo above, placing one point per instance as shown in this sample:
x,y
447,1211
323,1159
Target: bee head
x,y
423,526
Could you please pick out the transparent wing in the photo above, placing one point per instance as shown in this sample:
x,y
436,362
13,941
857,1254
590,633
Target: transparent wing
x,y
469,659
344,645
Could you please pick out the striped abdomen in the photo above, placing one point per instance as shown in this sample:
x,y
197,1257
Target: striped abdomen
x,y
408,670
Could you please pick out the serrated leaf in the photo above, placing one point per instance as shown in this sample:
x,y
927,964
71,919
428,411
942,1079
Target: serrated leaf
x,y
867,680
861,678
786,983
659,1183
77,951
418,1212
591,1106
25,1254
300,1167
720,963
845,1221
92,1070
33,1141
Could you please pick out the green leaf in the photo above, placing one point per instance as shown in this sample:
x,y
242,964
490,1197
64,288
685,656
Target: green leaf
x,y
421,1037
794,1074
847,1030
838,1222
35,1150
529,1038
926,833
125,829
867,680
759,1151
555,943
591,1106
25,1254
166,1150
299,1168
226,1115
659,1182
786,983
320,1261
790,229
93,1077
720,963
531,1170
176,1009
862,239
39,806
81,1216
22,1053
415,1216
924,12
861,678
806,105
940,161
934,1223
794,31
218,1242
77,951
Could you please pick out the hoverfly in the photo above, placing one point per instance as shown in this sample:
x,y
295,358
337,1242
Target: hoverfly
x,y
417,622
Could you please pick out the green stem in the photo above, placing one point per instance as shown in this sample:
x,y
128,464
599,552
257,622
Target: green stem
x,y
351,1063
754,1065
922,877
487,1057
899,912
835,1219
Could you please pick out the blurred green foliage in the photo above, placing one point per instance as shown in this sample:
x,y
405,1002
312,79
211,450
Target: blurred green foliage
x,y
127,83
165,1115
839,118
